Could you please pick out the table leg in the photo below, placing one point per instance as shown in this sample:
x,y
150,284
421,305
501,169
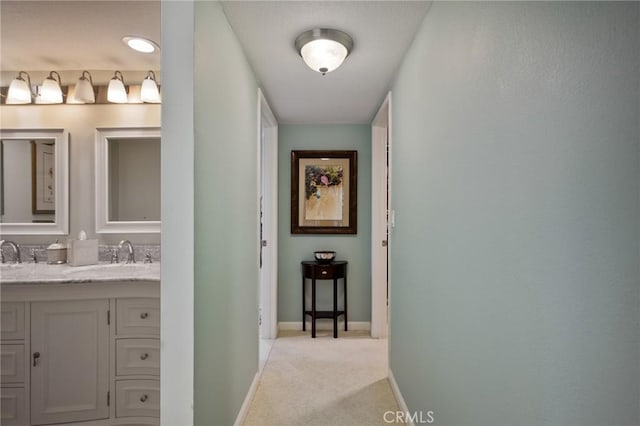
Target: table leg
x,y
335,308
304,319
345,301
313,307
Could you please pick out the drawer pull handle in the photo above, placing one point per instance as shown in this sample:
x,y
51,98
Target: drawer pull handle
x,y
36,355
144,315
144,356
144,398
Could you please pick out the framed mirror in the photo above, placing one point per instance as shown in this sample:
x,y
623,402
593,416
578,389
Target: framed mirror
x,y
127,180
34,182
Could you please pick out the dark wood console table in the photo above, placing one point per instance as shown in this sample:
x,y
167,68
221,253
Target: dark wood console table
x,y
324,271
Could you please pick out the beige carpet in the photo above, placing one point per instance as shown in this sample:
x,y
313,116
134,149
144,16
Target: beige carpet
x,y
323,381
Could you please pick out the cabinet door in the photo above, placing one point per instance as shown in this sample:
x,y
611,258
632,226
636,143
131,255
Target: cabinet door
x,y
69,361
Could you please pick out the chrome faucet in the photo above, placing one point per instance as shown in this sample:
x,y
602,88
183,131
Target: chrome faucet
x,y
130,257
114,255
16,250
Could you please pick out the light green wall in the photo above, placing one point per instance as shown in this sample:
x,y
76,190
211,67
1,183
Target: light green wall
x,y
226,214
356,249
515,281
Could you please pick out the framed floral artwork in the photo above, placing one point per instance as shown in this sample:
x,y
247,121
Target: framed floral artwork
x,y
324,192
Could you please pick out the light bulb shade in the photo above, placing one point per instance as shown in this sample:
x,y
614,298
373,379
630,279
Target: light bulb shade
x,y
116,92
50,91
324,50
149,89
84,92
323,55
19,91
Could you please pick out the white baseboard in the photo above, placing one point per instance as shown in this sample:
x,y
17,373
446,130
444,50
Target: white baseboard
x,y
244,410
399,398
325,324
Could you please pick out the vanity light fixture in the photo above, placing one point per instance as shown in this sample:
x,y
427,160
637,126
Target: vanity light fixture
x,y
84,92
20,90
141,44
149,91
324,49
51,90
116,92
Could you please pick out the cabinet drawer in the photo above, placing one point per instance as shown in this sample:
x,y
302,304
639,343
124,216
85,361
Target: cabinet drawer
x,y
138,317
137,356
13,411
324,272
12,321
138,398
12,363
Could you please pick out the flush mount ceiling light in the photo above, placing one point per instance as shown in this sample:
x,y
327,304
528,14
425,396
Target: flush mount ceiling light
x,y
141,44
20,90
324,49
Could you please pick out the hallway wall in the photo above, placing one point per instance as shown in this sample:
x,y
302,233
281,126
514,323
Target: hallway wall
x,y
356,249
226,220
515,280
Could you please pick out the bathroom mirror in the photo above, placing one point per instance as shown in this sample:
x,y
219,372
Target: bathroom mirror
x,y
128,180
34,182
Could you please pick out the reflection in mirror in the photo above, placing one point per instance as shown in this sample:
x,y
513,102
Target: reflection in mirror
x,y
134,179
33,182
27,191
128,180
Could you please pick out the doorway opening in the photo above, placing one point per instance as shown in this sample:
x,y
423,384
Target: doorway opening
x,y
268,222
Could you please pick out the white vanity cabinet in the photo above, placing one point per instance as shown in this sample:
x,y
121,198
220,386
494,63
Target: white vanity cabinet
x,y
137,381
81,353
13,364
69,361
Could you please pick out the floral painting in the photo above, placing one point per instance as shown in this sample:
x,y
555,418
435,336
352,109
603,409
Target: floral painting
x,y
323,192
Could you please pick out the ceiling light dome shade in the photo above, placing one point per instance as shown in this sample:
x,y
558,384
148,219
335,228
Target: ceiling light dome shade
x,y
50,91
19,90
324,49
149,89
116,92
84,92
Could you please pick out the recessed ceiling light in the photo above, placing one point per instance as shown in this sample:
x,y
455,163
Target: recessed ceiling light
x,y
141,44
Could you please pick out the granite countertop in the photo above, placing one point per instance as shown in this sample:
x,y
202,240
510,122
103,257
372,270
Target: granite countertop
x,y
42,273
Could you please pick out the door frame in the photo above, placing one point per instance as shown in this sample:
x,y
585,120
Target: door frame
x,y
380,178
267,140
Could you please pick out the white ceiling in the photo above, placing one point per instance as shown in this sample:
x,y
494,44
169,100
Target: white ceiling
x,y
382,31
76,35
